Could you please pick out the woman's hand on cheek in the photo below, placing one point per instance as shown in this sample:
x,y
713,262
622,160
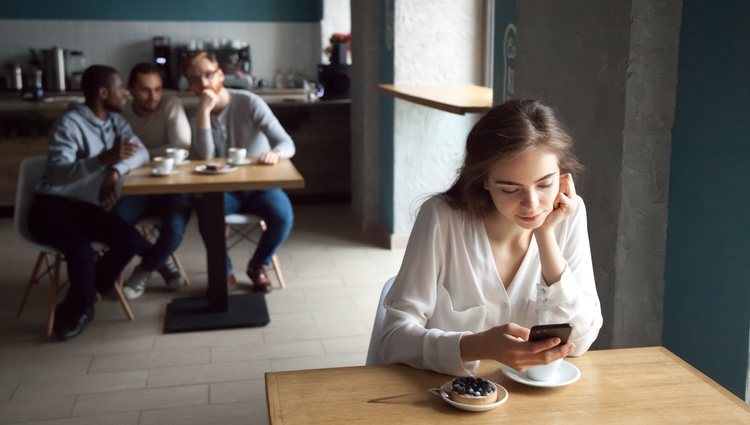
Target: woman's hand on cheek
x,y
564,205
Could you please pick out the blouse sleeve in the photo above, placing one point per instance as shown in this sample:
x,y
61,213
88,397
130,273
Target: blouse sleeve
x,y
573,299
411,302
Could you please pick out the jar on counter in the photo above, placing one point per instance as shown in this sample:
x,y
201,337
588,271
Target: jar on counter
x,y
14,77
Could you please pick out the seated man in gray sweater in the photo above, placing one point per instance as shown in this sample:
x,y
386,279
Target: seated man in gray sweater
x,y
229,118
160,122
91,148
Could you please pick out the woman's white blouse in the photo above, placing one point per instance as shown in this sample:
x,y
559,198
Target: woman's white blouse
x,y
448,286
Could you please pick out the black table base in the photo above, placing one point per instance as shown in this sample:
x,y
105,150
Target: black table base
x,y
195,314
218,310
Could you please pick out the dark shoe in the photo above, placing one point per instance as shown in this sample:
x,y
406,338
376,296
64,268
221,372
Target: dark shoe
x,y
257,274
70,328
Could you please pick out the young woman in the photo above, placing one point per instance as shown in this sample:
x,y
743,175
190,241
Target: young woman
x,y
505,248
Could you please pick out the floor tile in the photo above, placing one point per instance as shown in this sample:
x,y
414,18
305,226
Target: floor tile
x,y
216,372
254,412
274,350
125,418
36,410
48,387
45,368
141,399
246,390
151,359
318,362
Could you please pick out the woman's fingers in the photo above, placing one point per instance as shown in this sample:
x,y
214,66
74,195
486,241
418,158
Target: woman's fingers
x,y
518,331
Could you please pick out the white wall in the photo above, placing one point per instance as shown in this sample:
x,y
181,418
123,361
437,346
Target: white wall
x,y
288,46
436,42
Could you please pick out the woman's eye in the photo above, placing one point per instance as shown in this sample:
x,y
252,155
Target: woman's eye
x,y
509,191
545,186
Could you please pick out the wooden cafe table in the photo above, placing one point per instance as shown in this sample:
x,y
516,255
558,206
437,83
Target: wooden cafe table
x,y
623,386
218,310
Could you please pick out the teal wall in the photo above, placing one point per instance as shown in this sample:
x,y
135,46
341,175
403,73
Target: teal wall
x,y
504,54
386,116
149,10
707,277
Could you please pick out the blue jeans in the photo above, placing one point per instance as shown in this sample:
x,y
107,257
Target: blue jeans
x,y
172,210
272,205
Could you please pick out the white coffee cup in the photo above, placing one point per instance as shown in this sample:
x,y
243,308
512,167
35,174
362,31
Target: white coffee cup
x,y
237,155
163,165
178,154
547,372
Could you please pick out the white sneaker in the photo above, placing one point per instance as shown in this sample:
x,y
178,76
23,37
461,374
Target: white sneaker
x,y
171,274
136,283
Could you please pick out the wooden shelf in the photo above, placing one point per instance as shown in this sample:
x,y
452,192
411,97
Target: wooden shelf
x,y
458,99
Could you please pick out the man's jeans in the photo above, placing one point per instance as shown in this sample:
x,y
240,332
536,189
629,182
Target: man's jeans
x,y
172,210
71,226
272,205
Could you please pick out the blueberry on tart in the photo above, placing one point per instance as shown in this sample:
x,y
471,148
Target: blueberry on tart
x,y
471,390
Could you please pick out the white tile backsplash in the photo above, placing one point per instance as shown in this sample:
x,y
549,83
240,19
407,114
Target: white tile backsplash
x,y
274,45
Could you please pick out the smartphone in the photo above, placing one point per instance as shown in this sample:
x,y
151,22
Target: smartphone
x,y
542,332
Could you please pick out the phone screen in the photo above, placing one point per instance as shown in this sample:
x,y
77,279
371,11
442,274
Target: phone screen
x,y
542,332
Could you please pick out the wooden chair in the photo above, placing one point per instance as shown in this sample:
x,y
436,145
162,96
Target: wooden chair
x,y
49,260
249,227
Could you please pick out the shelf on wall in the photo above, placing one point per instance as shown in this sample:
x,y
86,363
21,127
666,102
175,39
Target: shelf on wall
x,y
458,99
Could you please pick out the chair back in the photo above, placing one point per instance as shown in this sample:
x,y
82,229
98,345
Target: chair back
x,y
373,353
29,175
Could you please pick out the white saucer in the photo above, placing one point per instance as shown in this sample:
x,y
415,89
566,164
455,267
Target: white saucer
x,y
246,161
201,169
566,374
185,162
156,173
502,397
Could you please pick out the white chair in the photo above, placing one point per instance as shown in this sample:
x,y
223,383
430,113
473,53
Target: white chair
x,y
249,227
373,353
49,259
150,227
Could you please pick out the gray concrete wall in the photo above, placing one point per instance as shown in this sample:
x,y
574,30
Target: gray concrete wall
x,y
650,91
365,120
610,70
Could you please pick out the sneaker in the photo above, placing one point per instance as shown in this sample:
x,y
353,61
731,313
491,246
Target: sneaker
x,y
171,274
136,283
257,273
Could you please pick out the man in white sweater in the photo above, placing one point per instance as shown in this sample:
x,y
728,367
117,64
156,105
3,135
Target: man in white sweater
x,y
229,118
160,122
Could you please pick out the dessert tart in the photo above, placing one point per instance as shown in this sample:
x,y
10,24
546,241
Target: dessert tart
x,y
475,391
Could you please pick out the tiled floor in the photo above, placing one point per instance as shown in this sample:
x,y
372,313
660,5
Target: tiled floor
x,y
120,372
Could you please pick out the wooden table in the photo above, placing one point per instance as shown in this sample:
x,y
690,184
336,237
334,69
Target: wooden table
x,y
626,386
458,99
218,310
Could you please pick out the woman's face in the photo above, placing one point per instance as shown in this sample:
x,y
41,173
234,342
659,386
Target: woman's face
x,y
524,187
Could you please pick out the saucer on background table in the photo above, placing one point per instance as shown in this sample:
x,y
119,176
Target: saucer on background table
x,y
444,393
157,173
185,162
246,161
567,373
202,169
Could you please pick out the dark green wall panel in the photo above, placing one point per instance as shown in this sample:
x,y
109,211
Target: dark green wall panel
x,y
185,10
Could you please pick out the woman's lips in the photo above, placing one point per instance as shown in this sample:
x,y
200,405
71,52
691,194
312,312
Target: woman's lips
x,y
530,218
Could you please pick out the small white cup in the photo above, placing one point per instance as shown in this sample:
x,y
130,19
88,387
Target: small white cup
x,y
178,154
163,165
237,155
546,372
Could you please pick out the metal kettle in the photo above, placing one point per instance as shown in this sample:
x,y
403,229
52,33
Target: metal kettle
x,y
53,67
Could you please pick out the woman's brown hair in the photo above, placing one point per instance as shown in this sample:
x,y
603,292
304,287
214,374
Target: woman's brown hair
x,y
505,131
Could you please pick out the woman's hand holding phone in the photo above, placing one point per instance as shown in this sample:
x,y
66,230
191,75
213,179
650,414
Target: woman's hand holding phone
x,y
509,344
